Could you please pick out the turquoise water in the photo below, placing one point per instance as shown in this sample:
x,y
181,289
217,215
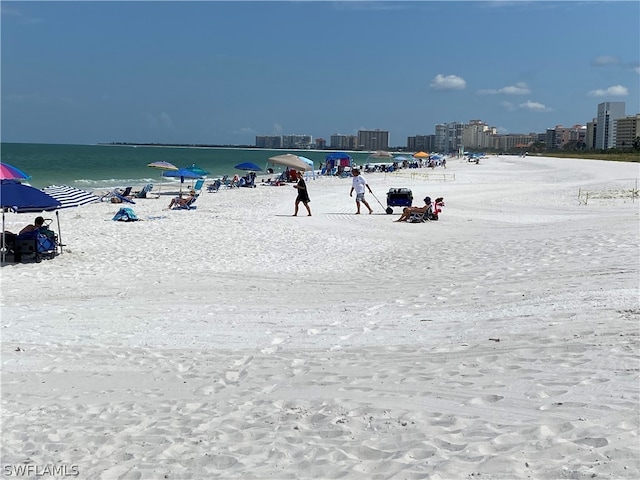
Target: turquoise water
x,y
108,166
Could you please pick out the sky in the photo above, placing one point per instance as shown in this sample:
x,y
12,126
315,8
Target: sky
x,y
214,72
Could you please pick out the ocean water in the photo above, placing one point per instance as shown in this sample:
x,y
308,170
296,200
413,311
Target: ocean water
x,y
97,167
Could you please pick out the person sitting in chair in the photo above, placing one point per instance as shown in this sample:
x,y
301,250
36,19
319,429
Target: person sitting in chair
x,y
408,211
183,202
10,238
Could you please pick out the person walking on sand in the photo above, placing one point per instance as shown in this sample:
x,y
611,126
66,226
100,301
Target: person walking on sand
x,y
303,195
358,184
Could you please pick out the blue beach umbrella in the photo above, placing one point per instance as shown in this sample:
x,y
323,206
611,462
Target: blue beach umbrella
x,y
19,198
195,169
182,174
248,166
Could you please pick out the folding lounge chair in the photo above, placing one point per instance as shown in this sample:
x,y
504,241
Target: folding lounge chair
x,y
189,205
198,186
214,187
422,217
144,192
121,195
41,243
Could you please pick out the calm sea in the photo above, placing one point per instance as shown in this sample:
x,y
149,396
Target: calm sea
x,y
108,166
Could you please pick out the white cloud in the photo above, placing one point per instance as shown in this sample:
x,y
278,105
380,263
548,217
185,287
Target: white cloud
x,y
519,88
534,106
605,60
449,82
528,105
277,129
614,91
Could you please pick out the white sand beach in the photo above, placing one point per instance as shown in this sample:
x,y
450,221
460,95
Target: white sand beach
x,y
235,341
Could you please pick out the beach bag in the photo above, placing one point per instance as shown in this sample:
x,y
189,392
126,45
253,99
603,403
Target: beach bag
x,y
125,214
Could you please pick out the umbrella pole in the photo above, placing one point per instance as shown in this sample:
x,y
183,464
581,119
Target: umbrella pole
x,y
59,232
4,240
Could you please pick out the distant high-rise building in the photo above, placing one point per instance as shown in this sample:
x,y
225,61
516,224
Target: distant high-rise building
x,y
441,137
564,136
321,143
454,137
627,131
590,139
343,142
373,140
269,141
421,143
513,142
297,141
477,134
608,113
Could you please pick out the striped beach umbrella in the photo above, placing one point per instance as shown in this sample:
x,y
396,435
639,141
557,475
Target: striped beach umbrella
x,y
70,196
162,165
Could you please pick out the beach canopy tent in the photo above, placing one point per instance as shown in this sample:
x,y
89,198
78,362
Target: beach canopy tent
x,y
291,161
309,162
70,196
337,159
19,198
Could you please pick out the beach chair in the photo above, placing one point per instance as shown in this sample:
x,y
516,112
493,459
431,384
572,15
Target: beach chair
x,y
144,192
117,196
214,187
198,186
188,205
41,243
422,217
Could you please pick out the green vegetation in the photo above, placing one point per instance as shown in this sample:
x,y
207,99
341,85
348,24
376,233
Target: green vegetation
x,y
612,156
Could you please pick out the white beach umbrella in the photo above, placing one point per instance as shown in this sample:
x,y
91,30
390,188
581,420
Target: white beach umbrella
x,y
291,161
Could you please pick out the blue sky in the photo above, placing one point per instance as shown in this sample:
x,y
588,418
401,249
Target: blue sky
x,y
224,72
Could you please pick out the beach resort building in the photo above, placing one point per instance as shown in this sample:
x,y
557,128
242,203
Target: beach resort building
x,y
509,143
422,143
627,131
343,142
565,136
590,139
297,141
608,113
441,137
373,140
269,141
477,134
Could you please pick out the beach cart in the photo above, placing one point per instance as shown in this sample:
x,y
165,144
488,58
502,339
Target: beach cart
x,y
398,197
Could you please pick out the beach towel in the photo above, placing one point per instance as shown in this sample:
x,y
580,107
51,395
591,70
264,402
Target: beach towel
x,y
125,214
